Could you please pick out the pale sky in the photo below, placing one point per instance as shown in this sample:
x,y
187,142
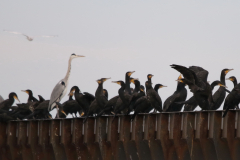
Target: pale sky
x,y
115,37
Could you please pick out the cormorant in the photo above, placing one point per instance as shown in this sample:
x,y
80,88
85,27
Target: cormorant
x,y
84,99
6,104
233,79
219,95
179,95
31,98
196,78
127,81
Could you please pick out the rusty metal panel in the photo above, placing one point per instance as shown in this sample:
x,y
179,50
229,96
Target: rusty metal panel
x,y
221,145
169,151
194,146
55,131
77,140
113,136
44,140
201,134
5,153
33,129
66,139
176,136
150,136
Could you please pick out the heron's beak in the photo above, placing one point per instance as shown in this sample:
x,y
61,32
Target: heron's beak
x,y
15,97
222,85
63,112
25,91
130,73
82,114
162,86
80,56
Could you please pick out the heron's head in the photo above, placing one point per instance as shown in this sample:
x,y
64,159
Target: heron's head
x,y
119,82
75,56
232,78
226,71
130,73
13,95
99,81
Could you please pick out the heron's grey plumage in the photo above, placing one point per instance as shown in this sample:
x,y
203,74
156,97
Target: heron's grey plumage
x,y
60,89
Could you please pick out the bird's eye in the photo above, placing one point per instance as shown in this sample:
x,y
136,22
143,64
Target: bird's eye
x,y
63,83
73,54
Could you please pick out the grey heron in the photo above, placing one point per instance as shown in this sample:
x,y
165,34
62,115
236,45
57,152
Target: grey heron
x,y
60,89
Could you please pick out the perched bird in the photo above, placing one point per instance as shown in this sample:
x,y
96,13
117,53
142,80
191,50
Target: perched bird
x,y
100,99
233,79
127,82
30,38
219,95
31,98
84,99
60,89
6,104
196,79
179,95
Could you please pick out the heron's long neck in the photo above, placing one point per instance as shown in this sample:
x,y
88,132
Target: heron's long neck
x,y
69,70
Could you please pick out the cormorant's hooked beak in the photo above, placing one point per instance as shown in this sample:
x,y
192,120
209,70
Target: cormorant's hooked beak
x,y
180,77
162,86
63,112
150,76
228,71
116,82
82,114
25,91
130,73
180,80
231,79
70,94
222,85
106,79
15,97
142,90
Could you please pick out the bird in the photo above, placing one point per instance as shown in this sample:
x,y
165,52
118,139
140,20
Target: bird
x,y
179,95
196,79
233,79
60,89
30,38
127,82
31,98
6,104
84,99
219,95
1,99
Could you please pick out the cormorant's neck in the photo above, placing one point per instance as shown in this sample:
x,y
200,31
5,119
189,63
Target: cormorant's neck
x,y
213,85
68,71
180,86
222,78
137,87
99,90
156,88
70,98
235,82
11,99
121,92
127,84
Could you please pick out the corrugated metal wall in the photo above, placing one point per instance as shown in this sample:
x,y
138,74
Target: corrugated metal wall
x,y
169,136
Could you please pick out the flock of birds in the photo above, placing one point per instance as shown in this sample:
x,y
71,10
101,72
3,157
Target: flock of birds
x,y
141,99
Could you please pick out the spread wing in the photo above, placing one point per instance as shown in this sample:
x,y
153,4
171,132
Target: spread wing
x,y
186,72
200,72
57,94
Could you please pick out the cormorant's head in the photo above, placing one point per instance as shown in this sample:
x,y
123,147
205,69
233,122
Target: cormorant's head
x,y
159,86
226,71
232,78
99,81
119,82
130,73
28,91
75,56
132,80
13,95
74,89
215,83
142,88
149,76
